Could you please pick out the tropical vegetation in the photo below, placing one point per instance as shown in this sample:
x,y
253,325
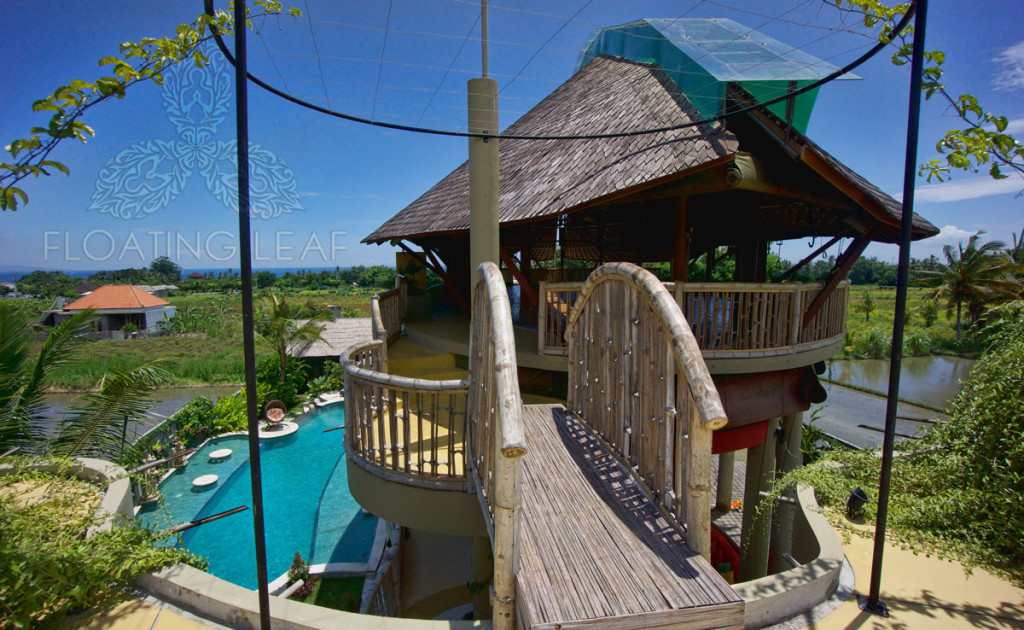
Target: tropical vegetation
x,y
972,277
53,570
956,492
285,326
98,426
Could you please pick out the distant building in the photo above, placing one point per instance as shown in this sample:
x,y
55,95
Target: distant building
x,y
85,288
159,290
195,275
117,305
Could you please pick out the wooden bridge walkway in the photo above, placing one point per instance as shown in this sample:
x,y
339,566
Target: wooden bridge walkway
x,y
595,551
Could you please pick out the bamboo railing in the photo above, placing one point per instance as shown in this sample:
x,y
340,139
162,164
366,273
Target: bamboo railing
x,y
404,429
728,320
391,311
556,302
497,442
638,380
384,594
830,320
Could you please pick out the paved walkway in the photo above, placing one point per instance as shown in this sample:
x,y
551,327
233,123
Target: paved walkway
x,y
858,418
925,593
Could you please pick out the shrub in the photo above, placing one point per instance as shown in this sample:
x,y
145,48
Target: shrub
x,y
196,419
300,571
918,343
875,345
268,373
51,570
957,492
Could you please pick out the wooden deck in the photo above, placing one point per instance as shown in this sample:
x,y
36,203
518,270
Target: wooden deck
x,y
595,551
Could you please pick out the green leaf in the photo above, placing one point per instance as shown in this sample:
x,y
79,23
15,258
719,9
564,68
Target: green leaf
x,y
57,165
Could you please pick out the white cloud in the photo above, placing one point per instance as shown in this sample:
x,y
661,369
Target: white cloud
x,y
961,189
1009,74
1015,126
952,233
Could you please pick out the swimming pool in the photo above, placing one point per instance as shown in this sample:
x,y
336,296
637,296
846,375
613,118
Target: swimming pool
x,y
307,506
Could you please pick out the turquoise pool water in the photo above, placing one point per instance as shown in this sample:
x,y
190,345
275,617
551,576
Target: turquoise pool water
x,y
307,506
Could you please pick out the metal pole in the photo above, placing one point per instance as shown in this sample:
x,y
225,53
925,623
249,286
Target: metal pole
x,y
483,38
249,347
872,603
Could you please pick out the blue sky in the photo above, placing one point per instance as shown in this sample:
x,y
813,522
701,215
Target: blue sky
x,y
349,178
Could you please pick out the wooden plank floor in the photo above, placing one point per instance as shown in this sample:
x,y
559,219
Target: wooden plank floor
x,y
594,551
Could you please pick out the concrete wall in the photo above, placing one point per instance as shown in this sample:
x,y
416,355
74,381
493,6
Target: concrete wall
x,y
449,512
237,607
816,546
156,317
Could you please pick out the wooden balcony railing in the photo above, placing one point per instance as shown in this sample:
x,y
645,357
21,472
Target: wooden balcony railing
x,y
728,320
404,429
637,379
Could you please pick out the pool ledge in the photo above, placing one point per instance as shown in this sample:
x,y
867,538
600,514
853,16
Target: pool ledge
x,y
116,500
232,605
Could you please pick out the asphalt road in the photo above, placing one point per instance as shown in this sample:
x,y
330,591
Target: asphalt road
x,y
858,418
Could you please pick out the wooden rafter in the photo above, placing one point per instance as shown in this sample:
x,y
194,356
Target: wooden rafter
x,y
430,260
527,291
800,265
843,264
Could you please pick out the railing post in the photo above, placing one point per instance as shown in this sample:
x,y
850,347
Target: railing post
x,y
698,484
796,316
379,331
507,508
542,318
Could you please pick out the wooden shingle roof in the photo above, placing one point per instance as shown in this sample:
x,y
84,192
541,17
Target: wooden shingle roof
x,y
540,178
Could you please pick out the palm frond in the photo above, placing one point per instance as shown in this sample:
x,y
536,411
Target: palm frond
x,y
98,428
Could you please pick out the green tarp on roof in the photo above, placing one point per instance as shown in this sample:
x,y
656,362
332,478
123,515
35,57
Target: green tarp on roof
x,y
702,55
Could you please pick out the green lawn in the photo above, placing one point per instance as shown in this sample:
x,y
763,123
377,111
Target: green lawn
x,y
337,593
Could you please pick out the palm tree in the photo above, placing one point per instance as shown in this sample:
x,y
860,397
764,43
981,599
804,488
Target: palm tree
x,y
971,276
96,428
280,323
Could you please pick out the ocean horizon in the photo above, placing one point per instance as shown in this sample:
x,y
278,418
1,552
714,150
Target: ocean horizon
x,y
7,273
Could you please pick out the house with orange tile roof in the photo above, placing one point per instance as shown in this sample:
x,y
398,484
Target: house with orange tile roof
x,y
117,305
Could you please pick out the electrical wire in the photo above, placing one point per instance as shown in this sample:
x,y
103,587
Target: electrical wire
x,y
316,49
208,5
383,48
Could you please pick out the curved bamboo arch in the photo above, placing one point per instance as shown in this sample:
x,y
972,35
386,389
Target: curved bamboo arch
x,y
687,353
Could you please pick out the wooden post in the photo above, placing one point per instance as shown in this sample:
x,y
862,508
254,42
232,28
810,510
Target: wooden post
x,y
681,251
698,485
789,459
726,472
757,533
378,331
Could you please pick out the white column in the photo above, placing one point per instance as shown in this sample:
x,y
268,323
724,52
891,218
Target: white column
x,y
483,172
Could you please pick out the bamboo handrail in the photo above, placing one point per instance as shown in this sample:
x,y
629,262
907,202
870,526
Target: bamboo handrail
x,y
403,429
687,352
638,380
497,439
